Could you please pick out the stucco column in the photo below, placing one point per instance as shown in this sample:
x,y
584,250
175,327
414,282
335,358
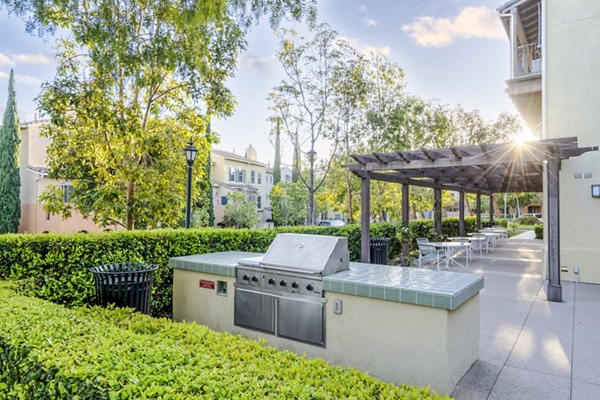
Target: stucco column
x,y
554,286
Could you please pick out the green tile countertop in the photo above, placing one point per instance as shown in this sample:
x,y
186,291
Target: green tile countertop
x,y
223,263
424,287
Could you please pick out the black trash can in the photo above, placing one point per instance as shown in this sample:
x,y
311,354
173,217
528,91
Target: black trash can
x,y
125,285
379,250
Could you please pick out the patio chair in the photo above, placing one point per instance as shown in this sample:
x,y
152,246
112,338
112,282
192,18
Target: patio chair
x,y
422,240
468,249
488,240
428,253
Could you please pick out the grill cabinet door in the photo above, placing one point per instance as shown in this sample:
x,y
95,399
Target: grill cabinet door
x,y
254,311
301,320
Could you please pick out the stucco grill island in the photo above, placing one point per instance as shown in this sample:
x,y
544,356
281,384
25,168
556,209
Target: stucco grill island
x,y
403,325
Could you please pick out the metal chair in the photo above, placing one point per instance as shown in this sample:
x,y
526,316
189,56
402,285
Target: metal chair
x,y
488,240
428,253
422,240
468,248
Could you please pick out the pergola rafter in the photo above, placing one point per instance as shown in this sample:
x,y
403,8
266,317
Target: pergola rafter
x,y
483,169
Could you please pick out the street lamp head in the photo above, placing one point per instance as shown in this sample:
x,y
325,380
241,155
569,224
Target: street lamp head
x,y
190,152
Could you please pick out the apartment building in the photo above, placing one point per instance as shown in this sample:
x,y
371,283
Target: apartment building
x,y
34,180
236,173
555,59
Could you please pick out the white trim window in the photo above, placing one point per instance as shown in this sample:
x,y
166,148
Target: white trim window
x,y
67,189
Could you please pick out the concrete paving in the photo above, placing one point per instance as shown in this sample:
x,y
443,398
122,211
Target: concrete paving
x,y
531,348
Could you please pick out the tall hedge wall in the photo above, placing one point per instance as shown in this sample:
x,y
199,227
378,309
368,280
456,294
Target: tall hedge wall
x,y
55,267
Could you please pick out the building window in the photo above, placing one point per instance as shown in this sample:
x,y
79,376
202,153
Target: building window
x,y
252,174
231,174
67,190
258,203
241,174
259,180
223,200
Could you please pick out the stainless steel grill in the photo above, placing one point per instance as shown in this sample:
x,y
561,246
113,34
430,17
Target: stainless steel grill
x,y
282,292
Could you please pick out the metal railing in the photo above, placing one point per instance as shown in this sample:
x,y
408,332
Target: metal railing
x,y
528,60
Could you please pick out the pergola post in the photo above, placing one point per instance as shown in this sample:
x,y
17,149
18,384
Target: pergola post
x,y
478,205
365,219
461,214
437,210
492,209
554,286
405,222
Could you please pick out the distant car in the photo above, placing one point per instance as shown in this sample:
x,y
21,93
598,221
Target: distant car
x,y
334,222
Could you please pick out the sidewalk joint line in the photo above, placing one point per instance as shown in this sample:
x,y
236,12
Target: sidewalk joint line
x,y
516,340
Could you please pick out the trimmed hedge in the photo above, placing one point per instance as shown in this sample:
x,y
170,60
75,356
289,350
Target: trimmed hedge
x,y
51,352
528,220
55,266
539,231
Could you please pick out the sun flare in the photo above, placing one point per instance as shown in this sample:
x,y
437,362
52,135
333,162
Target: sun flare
x,y
524,136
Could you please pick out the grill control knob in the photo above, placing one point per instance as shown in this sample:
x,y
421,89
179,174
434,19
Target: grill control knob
x,y
310,287
295,285
283,283
246,277
271,281
254,279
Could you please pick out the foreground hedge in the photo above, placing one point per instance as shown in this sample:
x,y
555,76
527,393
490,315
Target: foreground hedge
x,y
55,267
51,352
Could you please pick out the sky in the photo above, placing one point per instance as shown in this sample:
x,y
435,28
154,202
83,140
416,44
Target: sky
x,y
455,51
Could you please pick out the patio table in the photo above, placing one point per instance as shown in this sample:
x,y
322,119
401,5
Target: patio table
x,y
503,232
479,242
450,248
491,238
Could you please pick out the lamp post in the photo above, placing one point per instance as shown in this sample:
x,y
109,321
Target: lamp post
x,y
190,156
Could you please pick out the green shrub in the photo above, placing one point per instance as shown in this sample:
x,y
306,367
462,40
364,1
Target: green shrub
x,y
55,266
539,231
51,352
528,220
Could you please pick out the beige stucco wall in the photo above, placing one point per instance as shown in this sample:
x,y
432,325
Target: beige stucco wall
x,y
35,220
392,341
572,108
33,217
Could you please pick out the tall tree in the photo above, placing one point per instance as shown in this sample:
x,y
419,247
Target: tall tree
x,y
277,162
10,181
350,100
206,202
134,80
304,99
296,160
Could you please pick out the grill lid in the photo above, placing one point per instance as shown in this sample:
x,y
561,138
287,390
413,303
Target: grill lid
x,y
310,254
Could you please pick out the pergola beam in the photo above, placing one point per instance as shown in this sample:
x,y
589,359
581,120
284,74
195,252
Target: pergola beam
x,y
481,169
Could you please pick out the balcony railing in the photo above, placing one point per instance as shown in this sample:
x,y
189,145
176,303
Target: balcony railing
x,y
528,60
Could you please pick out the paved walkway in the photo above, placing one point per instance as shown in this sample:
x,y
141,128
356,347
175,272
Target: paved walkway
x,y
531,348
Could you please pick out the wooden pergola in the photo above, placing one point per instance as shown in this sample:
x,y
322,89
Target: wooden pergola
x,y
484,169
